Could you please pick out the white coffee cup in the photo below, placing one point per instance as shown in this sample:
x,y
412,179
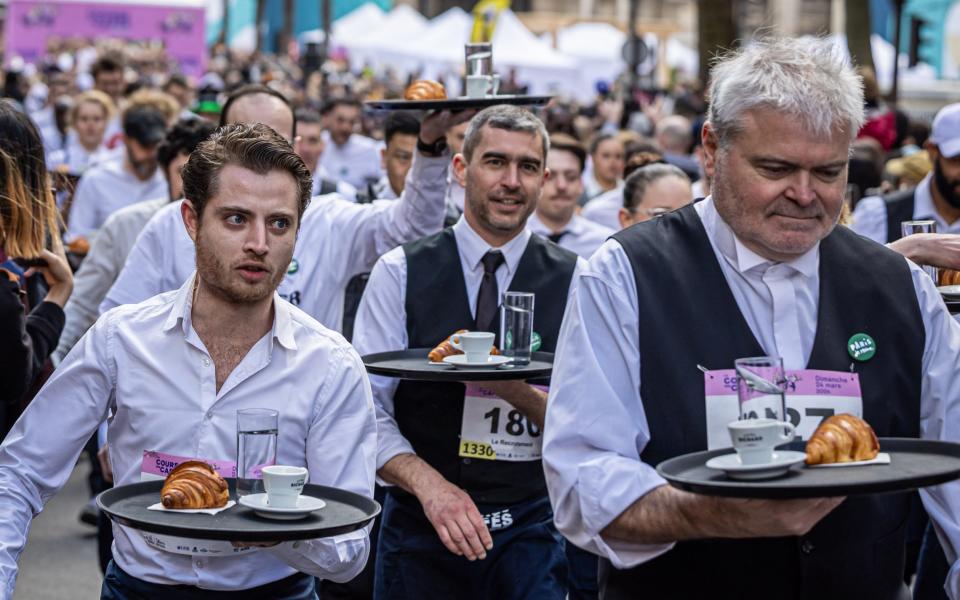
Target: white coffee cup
x,y
755,439
478,86
475,345
284,485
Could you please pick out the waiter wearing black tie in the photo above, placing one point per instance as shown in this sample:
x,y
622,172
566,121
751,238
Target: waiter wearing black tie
x,y
455,525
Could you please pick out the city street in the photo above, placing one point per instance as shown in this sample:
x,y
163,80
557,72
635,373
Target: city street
x,y
60,560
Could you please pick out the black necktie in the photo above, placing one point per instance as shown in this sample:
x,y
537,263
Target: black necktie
x,y
488,298
555,237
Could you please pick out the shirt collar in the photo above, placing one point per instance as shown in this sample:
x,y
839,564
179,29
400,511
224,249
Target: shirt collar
x,y
472,247
574,226
182,308
743,259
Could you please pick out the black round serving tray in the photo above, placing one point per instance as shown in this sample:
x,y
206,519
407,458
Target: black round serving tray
x,y
413,364
913,464
344,512
463,103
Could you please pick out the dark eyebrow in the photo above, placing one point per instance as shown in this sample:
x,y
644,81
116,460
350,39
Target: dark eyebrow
x,y
506,157
249,213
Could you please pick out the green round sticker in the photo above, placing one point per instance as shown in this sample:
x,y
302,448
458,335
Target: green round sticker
x,y
861,347
294,267
535,342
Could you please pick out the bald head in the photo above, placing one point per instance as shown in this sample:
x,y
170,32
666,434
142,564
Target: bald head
x,y
262,108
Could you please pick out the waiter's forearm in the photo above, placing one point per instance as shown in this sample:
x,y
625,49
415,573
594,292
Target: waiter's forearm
x,y
529,400
411,473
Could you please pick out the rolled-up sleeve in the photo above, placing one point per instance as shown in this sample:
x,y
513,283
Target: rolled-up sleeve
x,y
596,427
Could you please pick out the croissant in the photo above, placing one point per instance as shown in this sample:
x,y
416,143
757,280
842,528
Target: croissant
x,y
842,438
949,277
194,484
425,89
446,349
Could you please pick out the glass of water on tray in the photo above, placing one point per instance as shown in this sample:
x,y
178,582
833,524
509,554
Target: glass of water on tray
x,y
516,326
256,447
925,226
760,387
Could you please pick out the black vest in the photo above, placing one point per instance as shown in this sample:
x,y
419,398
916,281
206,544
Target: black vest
x,y
857,550
899,207
429,414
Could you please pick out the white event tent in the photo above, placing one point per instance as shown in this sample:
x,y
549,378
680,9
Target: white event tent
x,y
369,44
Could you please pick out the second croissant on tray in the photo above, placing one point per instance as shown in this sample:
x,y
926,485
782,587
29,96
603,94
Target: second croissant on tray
x,y
194,484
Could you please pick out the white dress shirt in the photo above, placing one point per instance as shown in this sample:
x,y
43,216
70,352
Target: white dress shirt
x,y
580,236
145,367
337,240
605,208
357,162
104,189
77,158
108,252
870,215
381,324
596,427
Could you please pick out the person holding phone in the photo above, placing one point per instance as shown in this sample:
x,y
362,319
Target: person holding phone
x,y
28,222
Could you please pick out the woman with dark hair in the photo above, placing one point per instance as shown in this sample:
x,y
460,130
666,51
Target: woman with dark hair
x,y
29,237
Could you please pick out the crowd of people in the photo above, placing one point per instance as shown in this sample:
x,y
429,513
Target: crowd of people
x,y
174,250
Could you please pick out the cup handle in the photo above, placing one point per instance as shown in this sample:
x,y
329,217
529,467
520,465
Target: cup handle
x,y
789,434
455,342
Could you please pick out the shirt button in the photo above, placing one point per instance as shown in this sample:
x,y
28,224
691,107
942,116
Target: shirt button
x,y
466,461
208,416
206,362
198,563
806,546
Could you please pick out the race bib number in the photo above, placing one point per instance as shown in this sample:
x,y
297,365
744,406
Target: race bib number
x,y
493,429
811,396
156,466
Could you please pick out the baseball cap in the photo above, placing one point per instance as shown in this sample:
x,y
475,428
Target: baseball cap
x,y
145,125
945,132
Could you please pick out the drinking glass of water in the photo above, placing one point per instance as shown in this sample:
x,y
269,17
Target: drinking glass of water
x,y
925,226
760,388
516,326
256,447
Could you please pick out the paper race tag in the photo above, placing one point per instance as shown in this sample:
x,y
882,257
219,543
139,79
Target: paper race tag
x,y
492,429
811,396
156,466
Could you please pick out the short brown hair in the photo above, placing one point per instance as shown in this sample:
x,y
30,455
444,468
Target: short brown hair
x,y
252,146
567,143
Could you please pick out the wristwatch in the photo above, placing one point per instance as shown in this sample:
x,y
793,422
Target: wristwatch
x,y
437,148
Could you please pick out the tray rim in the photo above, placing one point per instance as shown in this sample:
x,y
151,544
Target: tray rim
x,y
732,488
282,533
462,102
454,375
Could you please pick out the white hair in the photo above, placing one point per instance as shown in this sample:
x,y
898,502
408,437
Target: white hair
x,y
805,78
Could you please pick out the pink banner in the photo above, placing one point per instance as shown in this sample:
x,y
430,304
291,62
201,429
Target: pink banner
x,y
807,382
30,23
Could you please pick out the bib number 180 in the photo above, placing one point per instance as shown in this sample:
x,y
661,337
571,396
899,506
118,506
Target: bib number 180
x,y
516,423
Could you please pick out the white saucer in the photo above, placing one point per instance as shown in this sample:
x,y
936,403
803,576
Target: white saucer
x,y
782,461
493,361
305,506
949,290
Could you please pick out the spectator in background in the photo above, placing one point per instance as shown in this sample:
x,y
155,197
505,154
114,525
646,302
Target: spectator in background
x,y
400,136
348,156
673,134
85,145
555,216
179,88
605,208
124,180
107,74
881,120
606,157
455,191
309,145
28,220
653,190
58,86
